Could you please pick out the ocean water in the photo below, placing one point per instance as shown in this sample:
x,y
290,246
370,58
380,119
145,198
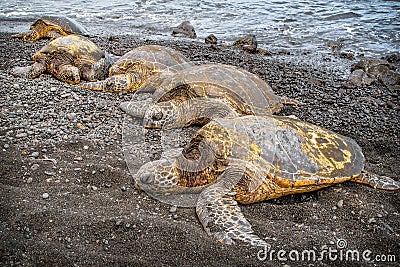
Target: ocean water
x,y
369,27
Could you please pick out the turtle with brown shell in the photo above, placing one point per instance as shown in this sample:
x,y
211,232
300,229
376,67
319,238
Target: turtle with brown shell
x,y
70,58
197,94
251,159
52,27
139,67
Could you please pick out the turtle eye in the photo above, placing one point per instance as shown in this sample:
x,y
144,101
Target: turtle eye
x,y
158,115
109,83
147,178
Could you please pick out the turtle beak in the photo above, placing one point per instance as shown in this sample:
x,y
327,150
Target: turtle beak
x,y
135,108
96,86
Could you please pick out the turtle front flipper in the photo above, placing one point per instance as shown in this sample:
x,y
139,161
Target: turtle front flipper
x,y
30,36
135,108
222,218
29,72
377,181
288,101
113,84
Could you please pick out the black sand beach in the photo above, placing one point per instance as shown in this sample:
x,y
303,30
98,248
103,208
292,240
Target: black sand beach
x,y
66,192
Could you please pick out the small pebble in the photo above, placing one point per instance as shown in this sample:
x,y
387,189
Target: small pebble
x,y
118,223
85,147
372,220
6,146
34,167
45,196
29,180
77,169
49,173
123,188
340,203
21,135
379,215
35,154
173,209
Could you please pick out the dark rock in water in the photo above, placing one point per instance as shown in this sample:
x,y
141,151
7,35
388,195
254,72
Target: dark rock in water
x,y
186,29
211,39
249,45
249,40
359,77
377,69
263,52
249,48
347,55
391,79
334,45
393,58
366,63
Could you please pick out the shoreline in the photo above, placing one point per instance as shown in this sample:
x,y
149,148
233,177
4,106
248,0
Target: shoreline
x,y
92,213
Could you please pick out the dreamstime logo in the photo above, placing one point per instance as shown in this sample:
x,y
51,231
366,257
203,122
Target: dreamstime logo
x,y
339,253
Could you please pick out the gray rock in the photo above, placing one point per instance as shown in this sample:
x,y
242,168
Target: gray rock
x,y
21,135
45,196
186,29
34,167
173,209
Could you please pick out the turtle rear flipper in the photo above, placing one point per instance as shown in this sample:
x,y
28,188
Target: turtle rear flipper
x,y
29,72
222,218
377,181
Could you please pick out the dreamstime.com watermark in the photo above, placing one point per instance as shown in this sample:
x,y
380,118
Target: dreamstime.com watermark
x,y
338,253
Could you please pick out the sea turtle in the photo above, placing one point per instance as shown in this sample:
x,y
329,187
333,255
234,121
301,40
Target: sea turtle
x,y
69,58
134,69
250,159
52,27
176,102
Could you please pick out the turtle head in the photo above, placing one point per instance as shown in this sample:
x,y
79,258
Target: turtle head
x,y
157,177
161,179
160,115
69,74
